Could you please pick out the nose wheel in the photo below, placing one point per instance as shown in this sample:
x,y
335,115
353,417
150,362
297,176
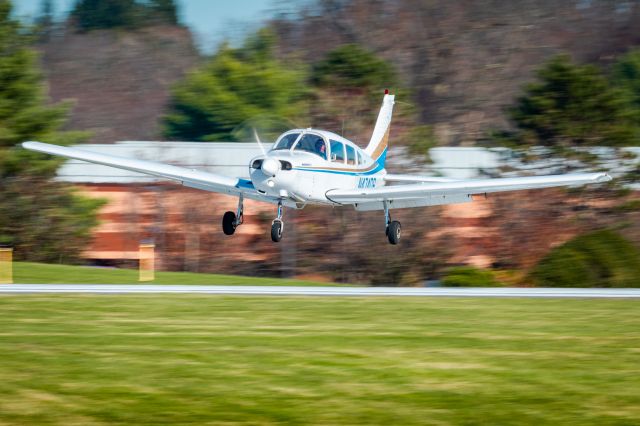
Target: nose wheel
x,y
392,228
277,226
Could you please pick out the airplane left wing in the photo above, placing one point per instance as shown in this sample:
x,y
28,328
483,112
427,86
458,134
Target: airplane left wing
x,y
438,193
187,177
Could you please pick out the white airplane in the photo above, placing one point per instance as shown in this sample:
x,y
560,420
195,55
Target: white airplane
x,y
309,166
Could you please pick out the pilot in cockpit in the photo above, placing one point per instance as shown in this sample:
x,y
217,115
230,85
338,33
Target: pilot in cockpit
x,y
321,148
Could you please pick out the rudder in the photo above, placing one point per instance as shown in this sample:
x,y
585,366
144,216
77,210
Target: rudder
x,y
377,148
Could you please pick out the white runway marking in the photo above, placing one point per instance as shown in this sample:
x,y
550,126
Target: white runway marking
x,y
322,291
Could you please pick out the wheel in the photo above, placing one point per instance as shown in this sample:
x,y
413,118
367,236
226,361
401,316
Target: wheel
x,y
229,223
276,231
393,232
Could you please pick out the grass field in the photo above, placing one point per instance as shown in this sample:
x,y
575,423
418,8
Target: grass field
x,y
81,359
40,273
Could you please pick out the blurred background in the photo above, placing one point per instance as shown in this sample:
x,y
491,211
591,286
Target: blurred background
x,y
483,88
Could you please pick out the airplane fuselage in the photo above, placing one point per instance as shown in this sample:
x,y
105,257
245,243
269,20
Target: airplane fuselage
x,y
298,175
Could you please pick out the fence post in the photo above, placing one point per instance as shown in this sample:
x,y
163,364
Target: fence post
x,y
147,262
6,265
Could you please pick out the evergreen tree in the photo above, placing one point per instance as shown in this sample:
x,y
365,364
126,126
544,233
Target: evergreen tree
x,y
352,67
45,19
626,76
32,208
105,14
95,14
573,105
349,83
245,85
23,113
166,10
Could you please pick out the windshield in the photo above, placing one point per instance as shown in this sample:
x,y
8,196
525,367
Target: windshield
x,y
312,143
286,142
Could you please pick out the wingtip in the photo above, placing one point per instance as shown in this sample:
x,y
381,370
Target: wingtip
x,y
29,144
604,177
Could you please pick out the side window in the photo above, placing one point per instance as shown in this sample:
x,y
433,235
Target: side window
x,y
360,160
312,143
287,141
351,155
337,152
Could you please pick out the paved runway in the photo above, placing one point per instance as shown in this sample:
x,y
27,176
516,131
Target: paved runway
x,y
321,291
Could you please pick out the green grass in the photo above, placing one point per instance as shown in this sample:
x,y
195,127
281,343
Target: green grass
x,y
40,273
82,359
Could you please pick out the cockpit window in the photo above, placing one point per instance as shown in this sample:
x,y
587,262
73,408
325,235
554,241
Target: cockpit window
x,y
312,143
287,141
351,155
360,160
337,152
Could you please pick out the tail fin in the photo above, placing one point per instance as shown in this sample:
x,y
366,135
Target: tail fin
x,y
377,148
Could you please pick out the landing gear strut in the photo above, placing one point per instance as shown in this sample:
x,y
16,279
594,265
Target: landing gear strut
x,y
231,220
277,225
392,228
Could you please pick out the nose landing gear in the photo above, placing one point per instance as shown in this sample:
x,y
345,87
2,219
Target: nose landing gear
x,y
392,228
231,220
277,225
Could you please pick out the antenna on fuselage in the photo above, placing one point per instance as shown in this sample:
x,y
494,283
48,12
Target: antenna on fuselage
x,y
257,138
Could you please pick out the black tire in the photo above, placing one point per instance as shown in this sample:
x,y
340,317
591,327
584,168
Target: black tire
x,y
276,231
393,232
229,223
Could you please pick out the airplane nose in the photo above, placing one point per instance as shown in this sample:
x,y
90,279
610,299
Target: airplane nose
x,y
270,167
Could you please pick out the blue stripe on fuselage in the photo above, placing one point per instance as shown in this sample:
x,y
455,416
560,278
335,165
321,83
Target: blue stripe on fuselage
x,y
383,157
375,170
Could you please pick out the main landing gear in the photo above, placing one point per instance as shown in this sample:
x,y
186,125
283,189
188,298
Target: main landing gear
x,y
231,220
393,228
277,225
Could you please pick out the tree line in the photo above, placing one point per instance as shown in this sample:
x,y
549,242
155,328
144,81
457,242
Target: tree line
x,y
42,219
90,15
254,86
567,105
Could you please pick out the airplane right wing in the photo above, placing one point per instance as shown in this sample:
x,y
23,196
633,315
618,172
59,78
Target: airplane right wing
x,y
439,193
416,178
187,177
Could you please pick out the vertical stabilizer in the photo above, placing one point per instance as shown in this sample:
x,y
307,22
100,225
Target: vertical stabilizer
x,y
377,148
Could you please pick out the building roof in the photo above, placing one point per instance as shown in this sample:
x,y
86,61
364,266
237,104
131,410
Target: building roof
x,y
233,159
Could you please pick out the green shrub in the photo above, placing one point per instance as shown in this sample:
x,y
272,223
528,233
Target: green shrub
x,y
596,259
629,206
468,276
